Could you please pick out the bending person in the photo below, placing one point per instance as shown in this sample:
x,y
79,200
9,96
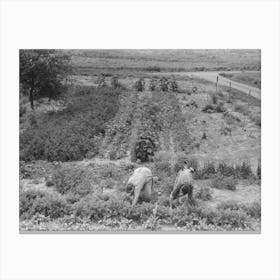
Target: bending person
x,y
141,184
183,185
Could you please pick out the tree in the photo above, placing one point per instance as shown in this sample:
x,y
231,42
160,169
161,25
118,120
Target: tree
x,y
42,73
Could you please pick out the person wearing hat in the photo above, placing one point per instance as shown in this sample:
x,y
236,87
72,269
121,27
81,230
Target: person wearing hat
x,y
183,185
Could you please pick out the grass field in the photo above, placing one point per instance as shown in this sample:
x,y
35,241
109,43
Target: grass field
x,y
76,153
248,78
88,62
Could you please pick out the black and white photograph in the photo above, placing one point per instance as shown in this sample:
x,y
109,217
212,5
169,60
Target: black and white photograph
x,y
140,140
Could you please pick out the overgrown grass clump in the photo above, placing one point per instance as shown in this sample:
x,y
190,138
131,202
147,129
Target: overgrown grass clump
x,y
204,193
71,180
96,209
49,204
222,182
202,218
73,132
252,209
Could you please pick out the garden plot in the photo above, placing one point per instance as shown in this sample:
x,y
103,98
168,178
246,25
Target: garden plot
x,y
75,161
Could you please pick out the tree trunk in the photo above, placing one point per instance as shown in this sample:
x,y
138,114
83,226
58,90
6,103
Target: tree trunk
x,y
31,97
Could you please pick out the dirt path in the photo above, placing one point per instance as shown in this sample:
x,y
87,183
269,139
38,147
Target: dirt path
x,y
135,128
211,76
222,81
172,151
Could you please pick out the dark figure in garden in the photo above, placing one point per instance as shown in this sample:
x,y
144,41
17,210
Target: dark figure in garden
x,y
183,185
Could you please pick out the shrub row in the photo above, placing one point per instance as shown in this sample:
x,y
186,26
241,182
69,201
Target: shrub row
x,y
238,171
229,219
162,164
32,202
72,133
229,214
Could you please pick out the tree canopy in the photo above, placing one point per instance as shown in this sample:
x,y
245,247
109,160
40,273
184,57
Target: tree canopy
x,y
42,73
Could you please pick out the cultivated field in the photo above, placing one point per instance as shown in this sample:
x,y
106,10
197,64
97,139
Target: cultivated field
x,y
78,151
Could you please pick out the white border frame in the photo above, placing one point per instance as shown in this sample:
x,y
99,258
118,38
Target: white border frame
x,y
192,24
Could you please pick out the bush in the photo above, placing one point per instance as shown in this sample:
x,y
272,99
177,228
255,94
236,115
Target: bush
x,y
197,216
152,85
101,83
163,84
214,98
226,130
69,179
243,171
253,209
209,108
222,182
230,204
173,86
139,85
109,171
96,209
72,198
213,108
231,118
181,216
206,172
234,219
193,215
115,82
144,149
74,132
164,199
46,203
226,170
49,183
204,193
220,108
